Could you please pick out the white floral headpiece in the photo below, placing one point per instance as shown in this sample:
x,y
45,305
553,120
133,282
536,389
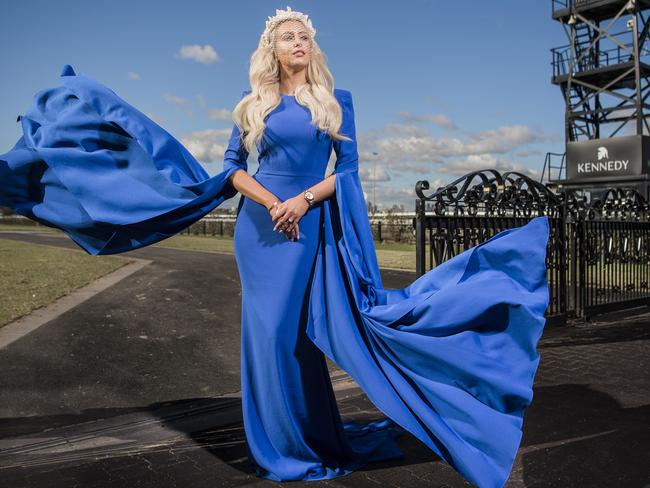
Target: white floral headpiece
x,y
281,16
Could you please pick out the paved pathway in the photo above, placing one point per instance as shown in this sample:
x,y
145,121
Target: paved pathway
x,y
138,387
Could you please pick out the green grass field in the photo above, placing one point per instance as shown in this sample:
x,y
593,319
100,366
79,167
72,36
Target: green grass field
x,y
28,228
401,256
34,275
389,255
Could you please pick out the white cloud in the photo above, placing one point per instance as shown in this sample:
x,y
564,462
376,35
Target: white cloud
x,y
410,149
207,145
180,101
406,152
429,148
423,168
405,130
439,120
529,152
220,114
504,139
373,172
133,76
387,196
393,158
201,54
473,162
485,161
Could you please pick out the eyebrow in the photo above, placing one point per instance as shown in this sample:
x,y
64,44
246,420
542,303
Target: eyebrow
x,y
292,32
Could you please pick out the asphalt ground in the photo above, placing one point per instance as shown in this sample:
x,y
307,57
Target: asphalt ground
x,y
137,385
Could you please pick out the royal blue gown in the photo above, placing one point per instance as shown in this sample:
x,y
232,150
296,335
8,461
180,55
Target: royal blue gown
x,y
451,358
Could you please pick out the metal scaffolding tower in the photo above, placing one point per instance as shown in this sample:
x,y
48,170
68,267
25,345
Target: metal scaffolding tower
x,y
603,77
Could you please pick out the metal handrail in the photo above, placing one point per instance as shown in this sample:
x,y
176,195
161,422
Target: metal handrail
x,y
557,5
603,57
548,166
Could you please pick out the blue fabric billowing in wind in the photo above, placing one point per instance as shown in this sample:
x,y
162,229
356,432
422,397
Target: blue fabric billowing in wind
x,y
86,156
451,358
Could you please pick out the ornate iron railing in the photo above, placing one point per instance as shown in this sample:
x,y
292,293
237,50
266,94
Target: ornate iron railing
x,y
598,254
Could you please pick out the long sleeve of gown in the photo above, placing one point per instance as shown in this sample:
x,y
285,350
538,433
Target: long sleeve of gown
x,y
451,357
235,156
353,216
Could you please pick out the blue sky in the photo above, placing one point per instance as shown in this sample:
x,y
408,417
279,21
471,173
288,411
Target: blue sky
x,y
440,88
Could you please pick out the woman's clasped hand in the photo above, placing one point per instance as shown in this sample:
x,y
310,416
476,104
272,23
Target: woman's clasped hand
x,y
287,214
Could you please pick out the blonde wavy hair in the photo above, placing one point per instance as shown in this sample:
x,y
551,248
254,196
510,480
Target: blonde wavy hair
x,y
264,75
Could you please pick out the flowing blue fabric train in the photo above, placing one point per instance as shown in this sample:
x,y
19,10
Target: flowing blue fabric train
x,y
451,358
108,176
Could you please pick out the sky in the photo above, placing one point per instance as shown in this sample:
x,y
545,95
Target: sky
x,y
439,88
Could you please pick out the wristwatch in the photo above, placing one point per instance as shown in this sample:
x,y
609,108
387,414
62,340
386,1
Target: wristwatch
x,y
309,196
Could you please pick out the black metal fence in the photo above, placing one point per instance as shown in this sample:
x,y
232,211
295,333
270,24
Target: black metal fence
x,y
400,231
221,227
598,254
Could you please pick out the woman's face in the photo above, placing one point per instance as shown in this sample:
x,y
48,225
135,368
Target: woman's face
x,y
292,45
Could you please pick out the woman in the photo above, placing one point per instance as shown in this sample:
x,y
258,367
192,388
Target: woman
x,y
451,358
291,419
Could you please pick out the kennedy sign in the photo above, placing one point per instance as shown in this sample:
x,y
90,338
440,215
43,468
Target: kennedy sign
x,y
609,157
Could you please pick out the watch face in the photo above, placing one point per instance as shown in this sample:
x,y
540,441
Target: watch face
x,y
309,195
